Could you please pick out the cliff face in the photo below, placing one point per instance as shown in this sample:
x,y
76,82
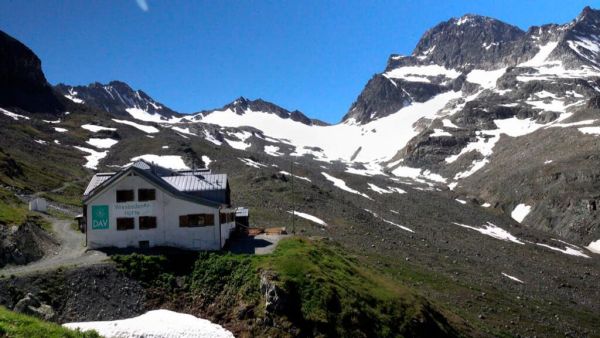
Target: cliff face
x,y
22,82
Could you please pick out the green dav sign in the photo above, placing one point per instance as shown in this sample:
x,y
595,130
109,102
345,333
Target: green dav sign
x,y
99,217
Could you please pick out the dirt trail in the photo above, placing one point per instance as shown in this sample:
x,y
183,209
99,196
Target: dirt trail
x,y
71,252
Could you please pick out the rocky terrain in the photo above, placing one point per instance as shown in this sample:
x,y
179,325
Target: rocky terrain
x,y
466,171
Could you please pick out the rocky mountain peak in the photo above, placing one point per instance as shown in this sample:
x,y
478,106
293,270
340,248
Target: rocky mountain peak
x,y
242,104
470,39
116,97
22,82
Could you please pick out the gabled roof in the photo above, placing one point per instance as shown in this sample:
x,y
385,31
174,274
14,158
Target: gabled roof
x,y
198,183
180,185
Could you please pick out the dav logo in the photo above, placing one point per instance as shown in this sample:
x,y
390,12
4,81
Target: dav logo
x,y
99,217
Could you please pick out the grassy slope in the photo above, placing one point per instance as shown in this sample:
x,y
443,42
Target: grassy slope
x,y
325,291
17,325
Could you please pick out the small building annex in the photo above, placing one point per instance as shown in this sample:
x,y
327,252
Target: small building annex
x,y
145,205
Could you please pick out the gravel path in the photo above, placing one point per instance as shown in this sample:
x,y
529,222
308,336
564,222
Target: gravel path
x,y
71,252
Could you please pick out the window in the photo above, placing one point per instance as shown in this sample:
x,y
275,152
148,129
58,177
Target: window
x,y
146,195
147,222
125,223
124,196
196,220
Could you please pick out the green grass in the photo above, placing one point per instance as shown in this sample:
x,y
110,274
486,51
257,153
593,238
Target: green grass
x,y
326,291
15,325
12,210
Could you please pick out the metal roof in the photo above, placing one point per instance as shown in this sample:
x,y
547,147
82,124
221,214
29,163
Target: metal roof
x,y
197,183
182,181
96,181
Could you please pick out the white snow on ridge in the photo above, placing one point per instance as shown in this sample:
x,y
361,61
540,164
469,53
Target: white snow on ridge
x,y
240,145
296,176
590,130
154,324
207,161
74,99
420,73
12,115
378,189
168,161
493,230
485,78
567,250
252,163
520,212
513,278
272,150
142,115
309,217
389,222
102,143
94,157
208,136
539,59
373,137
185,131
94,128
342,185
60,130
144,128
594,247
439,133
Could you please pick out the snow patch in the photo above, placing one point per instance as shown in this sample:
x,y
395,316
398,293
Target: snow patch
x,y
309,217
494,231
272,150
94,128
156,323
590,130
567,250
520,212
102,143
252,163
144,128
594,246
420,73
342,185
439,133
485,78
513,278
60,130
206,160
94,157
168,161
296,176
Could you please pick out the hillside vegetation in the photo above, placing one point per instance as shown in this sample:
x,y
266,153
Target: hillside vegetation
x,y
305,288
15,325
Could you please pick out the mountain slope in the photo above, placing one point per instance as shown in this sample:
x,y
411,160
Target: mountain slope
x,y
118,99
381,187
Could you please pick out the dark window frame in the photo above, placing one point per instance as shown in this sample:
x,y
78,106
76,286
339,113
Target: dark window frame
x,y
196,220
120,197
142,222
125,227
142,195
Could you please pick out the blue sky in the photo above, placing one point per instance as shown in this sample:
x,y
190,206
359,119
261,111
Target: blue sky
x,y
310,55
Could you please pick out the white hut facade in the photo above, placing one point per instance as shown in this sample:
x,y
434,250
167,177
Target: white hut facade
x,y
146,205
